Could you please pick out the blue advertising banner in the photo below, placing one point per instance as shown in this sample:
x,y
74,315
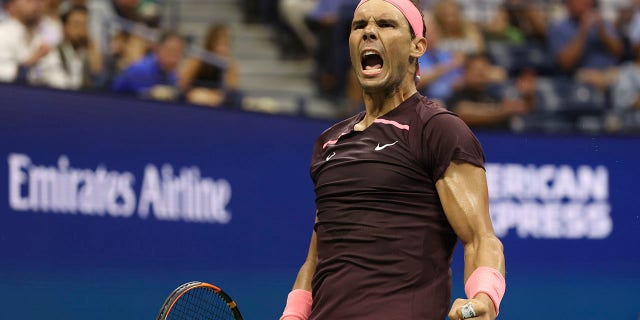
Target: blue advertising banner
x,y
108,203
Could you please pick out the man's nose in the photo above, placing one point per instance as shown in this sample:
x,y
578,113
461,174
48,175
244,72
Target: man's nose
x,y
369,33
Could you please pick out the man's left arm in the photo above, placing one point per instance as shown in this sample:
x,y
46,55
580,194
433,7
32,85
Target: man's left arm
x,y
464,196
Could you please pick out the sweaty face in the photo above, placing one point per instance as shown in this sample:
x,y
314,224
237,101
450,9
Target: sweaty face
x,y
380,46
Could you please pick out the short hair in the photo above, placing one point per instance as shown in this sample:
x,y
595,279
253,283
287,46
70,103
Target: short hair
x,y
75,8
167,35
473,57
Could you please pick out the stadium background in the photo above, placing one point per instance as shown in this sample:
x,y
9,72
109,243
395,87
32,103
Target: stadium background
x,y
76,265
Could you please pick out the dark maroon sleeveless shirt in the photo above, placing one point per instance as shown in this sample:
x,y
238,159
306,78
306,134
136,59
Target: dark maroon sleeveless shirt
x,y
384,243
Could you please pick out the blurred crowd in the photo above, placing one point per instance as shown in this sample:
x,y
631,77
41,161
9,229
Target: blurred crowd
x,y
114,46
520,65
536,65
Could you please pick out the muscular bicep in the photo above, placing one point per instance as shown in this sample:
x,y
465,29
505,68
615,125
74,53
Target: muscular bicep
x,y
465,200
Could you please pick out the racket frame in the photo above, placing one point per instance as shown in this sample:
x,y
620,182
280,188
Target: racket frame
x,y
180,291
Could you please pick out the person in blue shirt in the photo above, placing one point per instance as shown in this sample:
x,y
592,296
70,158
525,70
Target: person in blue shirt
x,y
441,70
155,75
584,40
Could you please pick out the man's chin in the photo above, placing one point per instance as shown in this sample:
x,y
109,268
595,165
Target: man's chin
x,y
31,22
372,82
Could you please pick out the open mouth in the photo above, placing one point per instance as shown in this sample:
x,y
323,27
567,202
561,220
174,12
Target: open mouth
x,y
371,63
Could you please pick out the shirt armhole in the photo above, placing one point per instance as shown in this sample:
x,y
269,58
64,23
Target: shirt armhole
x,y
447,138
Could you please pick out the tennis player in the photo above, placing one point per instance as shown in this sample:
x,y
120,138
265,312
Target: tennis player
x,y
396,186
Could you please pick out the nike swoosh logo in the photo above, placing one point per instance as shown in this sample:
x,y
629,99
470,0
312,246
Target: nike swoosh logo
x,y
379,147
331,156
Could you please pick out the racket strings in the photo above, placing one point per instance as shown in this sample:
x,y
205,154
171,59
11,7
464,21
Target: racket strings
x,y
201,304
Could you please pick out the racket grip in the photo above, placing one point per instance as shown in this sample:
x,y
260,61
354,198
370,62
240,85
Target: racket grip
x,y
298,305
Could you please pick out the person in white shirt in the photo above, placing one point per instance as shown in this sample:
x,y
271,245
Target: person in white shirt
x,y
75,62
22,45
50,24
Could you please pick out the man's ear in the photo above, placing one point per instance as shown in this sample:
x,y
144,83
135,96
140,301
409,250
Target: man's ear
x,y
418,47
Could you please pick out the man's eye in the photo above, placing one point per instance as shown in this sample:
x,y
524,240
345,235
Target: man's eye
x,y
358,26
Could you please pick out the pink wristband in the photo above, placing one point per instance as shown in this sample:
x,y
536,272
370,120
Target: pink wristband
x,y
488,281
298,305
409,11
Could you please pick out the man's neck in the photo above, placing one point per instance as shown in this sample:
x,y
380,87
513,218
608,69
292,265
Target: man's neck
x,y
380,103
29,28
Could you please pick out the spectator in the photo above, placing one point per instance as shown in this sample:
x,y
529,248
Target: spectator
x,y
480,12
210,84
441,70
76,61
584,40
50,24
118,30
329,22
136,46
22,46
518,21
626,88
623,25
294,13
96,24
127,9
155,75
478,106
610,9
457,35
148,13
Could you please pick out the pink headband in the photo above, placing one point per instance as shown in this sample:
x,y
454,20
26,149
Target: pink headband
x,y
409,11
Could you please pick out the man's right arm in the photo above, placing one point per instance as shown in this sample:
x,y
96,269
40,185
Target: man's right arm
x,y
303,280
299,301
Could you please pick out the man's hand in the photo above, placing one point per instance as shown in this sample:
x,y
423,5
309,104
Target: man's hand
x,y
482,306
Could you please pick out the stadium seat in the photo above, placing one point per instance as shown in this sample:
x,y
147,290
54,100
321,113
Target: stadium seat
x,y
580,98
515,58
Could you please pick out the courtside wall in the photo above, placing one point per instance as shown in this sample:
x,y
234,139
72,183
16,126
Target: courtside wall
x,y
107,204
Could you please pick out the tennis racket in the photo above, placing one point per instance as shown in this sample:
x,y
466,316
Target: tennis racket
x,y
199,301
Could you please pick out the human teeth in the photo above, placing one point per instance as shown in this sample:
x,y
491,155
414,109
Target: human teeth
x,y
367,53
